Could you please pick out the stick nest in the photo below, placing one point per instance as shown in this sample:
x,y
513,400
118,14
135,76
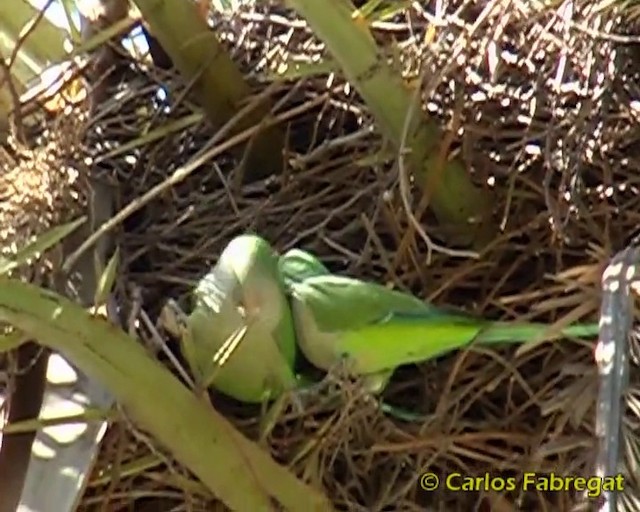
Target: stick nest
x,y
539,100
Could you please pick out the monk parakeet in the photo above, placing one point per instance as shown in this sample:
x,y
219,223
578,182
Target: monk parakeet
x,y
377,329
239,335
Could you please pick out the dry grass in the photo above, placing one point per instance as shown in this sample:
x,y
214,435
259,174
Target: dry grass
x,y
542,103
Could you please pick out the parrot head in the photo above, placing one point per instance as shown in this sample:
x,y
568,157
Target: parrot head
x,y
244,284
238,335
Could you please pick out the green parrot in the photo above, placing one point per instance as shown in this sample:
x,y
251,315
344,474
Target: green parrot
x,y
377,329
239,336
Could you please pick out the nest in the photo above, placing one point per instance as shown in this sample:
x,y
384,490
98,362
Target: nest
x,y
40,190
539,101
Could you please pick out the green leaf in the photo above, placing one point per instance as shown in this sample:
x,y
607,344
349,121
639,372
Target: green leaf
x,y
107,278
233,468
12,340
41,244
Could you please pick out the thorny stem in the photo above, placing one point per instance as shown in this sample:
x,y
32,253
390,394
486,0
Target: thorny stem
x,y
611,356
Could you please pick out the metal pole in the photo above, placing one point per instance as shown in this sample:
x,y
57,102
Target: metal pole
x,y
616,318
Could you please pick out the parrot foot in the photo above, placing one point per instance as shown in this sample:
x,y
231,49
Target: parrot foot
x,y
309,395
297,405
303,398
172,318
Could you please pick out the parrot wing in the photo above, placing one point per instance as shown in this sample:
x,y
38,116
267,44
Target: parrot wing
x,y
374,327
379,329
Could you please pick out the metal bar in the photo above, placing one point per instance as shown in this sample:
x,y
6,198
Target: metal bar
x,y
616,318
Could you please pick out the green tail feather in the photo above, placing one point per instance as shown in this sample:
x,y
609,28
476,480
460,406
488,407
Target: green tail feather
x,y
500,332
520,333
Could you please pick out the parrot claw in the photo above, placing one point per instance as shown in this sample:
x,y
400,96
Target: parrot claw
x,y
298,404
302,399
172,318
